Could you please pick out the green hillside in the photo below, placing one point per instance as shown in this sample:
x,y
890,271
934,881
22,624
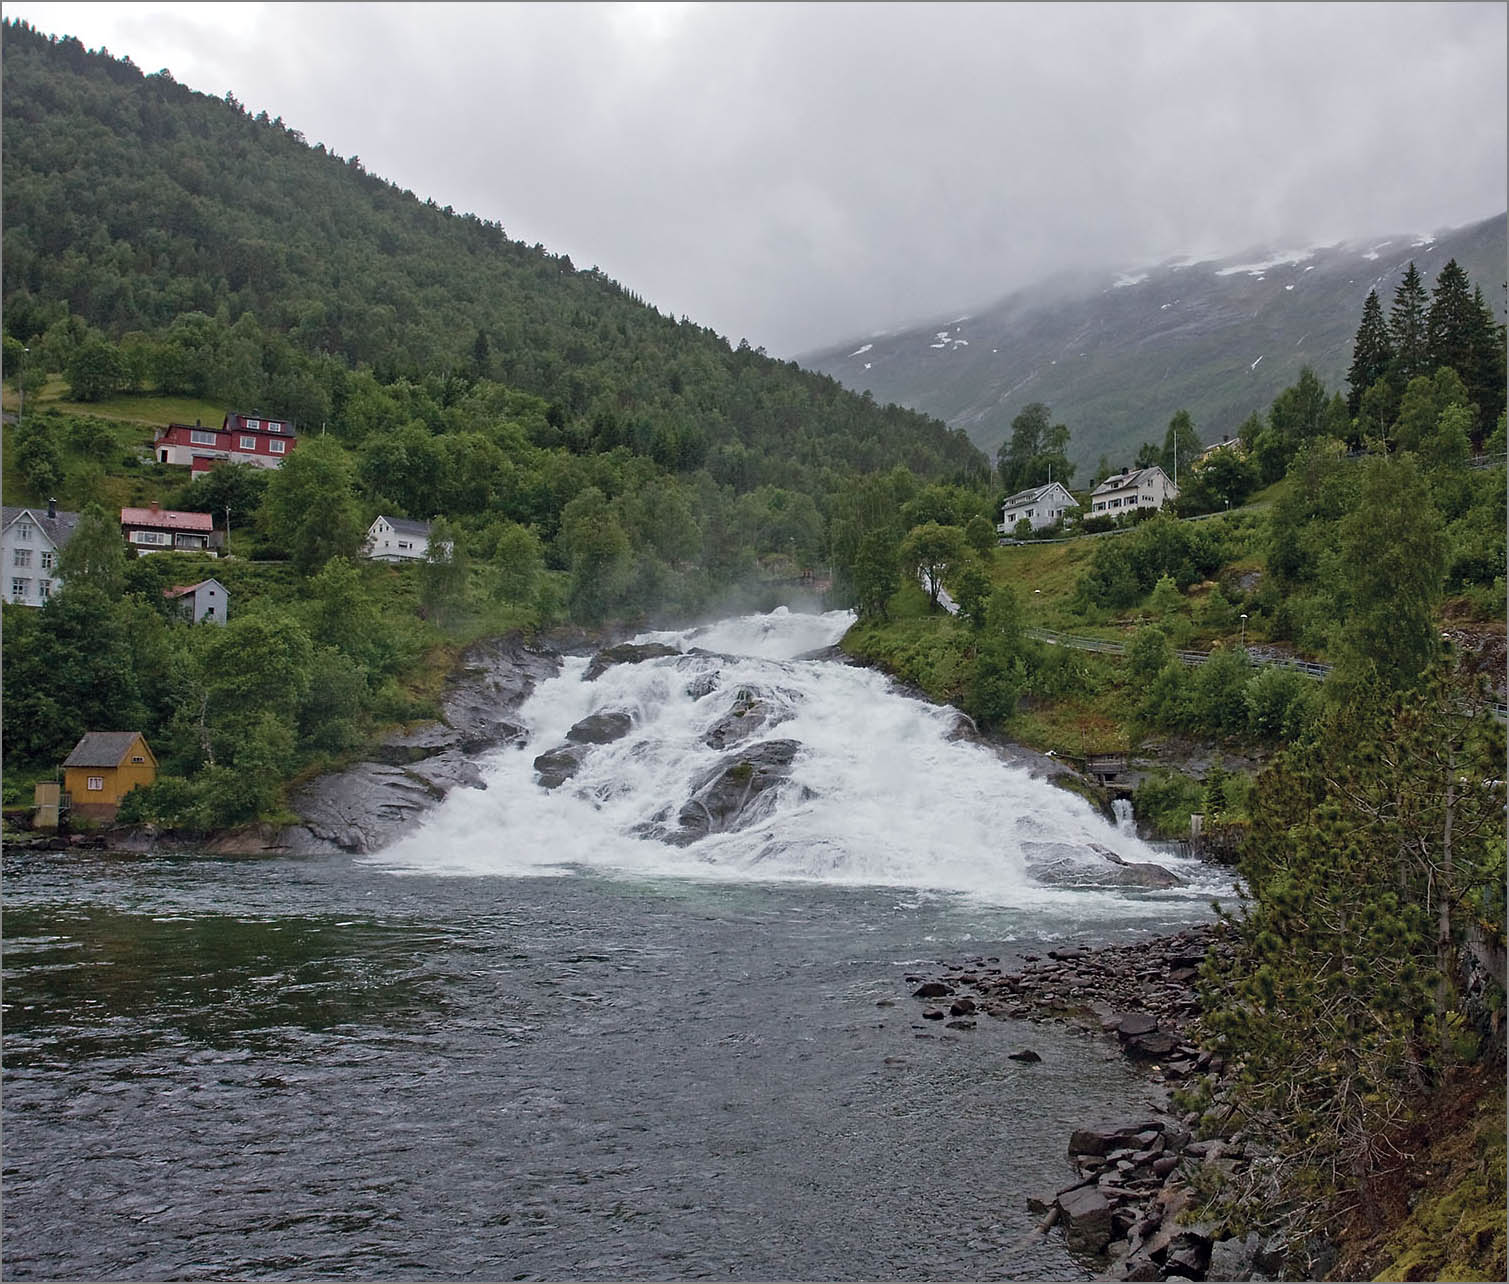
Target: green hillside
x,y
229,259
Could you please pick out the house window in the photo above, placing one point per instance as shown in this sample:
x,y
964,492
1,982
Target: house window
x,y
253,423
248,443
96,782
149,537
274,426
23,557
136,757
403,543
201,438
23,531
162,457
18,590
46,559
276,447
44,590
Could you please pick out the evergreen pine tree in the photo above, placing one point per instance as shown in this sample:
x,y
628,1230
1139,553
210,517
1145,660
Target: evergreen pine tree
x,y
1486,378
1451,322
1372,351
1407,327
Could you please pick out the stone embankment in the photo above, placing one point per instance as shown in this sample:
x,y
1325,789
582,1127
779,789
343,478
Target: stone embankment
x,y
1128,1209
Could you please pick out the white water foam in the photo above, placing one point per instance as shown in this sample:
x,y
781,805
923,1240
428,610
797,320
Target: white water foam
x,y
878,793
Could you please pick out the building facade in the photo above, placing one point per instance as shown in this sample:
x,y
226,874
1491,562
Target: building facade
x,y
1137,488
1042,506
159,530
31,540
397,539
103,768
246,439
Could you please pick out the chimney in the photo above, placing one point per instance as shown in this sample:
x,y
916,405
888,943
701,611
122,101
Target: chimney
x,y
154,506
52,508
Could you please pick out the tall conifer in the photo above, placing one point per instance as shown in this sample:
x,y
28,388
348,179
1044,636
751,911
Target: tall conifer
x,y
1407,327
1450,322
1486,379
1372,351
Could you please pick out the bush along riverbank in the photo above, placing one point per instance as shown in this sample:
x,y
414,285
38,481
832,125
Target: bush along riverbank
x,y
1170,1194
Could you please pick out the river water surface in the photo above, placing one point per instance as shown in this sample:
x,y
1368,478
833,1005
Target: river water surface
x,y
529,1042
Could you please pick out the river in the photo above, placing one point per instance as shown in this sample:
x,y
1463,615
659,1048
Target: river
x,y
529,1041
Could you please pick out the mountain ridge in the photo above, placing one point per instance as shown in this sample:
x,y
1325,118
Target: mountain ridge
x,y
1219,336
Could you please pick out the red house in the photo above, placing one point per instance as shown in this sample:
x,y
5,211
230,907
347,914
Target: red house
x,y
159,530
249,439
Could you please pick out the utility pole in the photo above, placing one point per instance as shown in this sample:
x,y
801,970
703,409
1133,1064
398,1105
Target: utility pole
x,y
21,391
228,534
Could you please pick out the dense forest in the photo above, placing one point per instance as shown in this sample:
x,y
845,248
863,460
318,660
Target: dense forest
x,y
206,252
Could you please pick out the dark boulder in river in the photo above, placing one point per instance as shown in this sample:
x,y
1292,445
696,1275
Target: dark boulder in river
x,y
733,794
749,714
558,765
601,729
627,653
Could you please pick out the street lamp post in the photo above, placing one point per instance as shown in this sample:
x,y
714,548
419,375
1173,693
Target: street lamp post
x,y
1244,631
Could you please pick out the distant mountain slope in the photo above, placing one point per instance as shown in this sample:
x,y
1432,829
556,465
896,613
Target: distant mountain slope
x,y
1115,356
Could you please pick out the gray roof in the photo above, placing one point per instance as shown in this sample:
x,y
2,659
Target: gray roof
x,y
58,529
101,749
1030,496
405,525
1133,477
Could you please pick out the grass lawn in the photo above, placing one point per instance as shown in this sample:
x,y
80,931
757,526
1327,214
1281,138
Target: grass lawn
x,y
134,407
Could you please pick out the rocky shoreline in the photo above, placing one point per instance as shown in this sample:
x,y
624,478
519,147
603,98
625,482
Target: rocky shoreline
x,y
1126,1211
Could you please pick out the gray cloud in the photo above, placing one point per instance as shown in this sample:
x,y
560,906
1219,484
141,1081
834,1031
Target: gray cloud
x,y
801,173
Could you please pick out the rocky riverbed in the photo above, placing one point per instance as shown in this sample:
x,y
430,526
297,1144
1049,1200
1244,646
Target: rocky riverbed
x,y
1130,1207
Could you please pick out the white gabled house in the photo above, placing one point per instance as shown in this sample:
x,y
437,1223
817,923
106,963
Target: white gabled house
x,y
31,540
1136,488
206,600
1042,506
397,539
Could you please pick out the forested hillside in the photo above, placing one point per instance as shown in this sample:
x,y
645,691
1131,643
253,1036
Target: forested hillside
x,y
226,258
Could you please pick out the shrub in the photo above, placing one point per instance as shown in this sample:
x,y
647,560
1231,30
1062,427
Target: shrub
x,y
1281,703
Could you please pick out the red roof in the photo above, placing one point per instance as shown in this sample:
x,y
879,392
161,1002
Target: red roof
x,y
167,519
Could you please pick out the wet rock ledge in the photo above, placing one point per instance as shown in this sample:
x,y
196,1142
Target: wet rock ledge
x,y
368,805
1135,1179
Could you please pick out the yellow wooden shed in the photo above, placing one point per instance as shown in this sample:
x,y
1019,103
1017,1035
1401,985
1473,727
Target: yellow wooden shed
x,y
103,768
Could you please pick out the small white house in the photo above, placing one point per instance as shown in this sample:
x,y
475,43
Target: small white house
x,y
1042,506
206,600
31,540
1138,488
397,539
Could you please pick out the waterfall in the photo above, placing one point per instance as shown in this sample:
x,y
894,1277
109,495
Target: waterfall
x,y
878,791
1122,809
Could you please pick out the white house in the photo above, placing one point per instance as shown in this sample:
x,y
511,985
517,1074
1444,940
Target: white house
x,y
31,540
206,600
1138,488
397,539
1042,506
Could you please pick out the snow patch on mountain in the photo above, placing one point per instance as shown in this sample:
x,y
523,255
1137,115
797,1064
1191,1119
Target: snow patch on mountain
x,y
859,352
1263,265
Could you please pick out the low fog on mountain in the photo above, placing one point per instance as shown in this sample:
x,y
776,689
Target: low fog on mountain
x,y
797,174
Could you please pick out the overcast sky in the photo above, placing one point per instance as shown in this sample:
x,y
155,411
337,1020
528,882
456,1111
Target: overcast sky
x,y
803,174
